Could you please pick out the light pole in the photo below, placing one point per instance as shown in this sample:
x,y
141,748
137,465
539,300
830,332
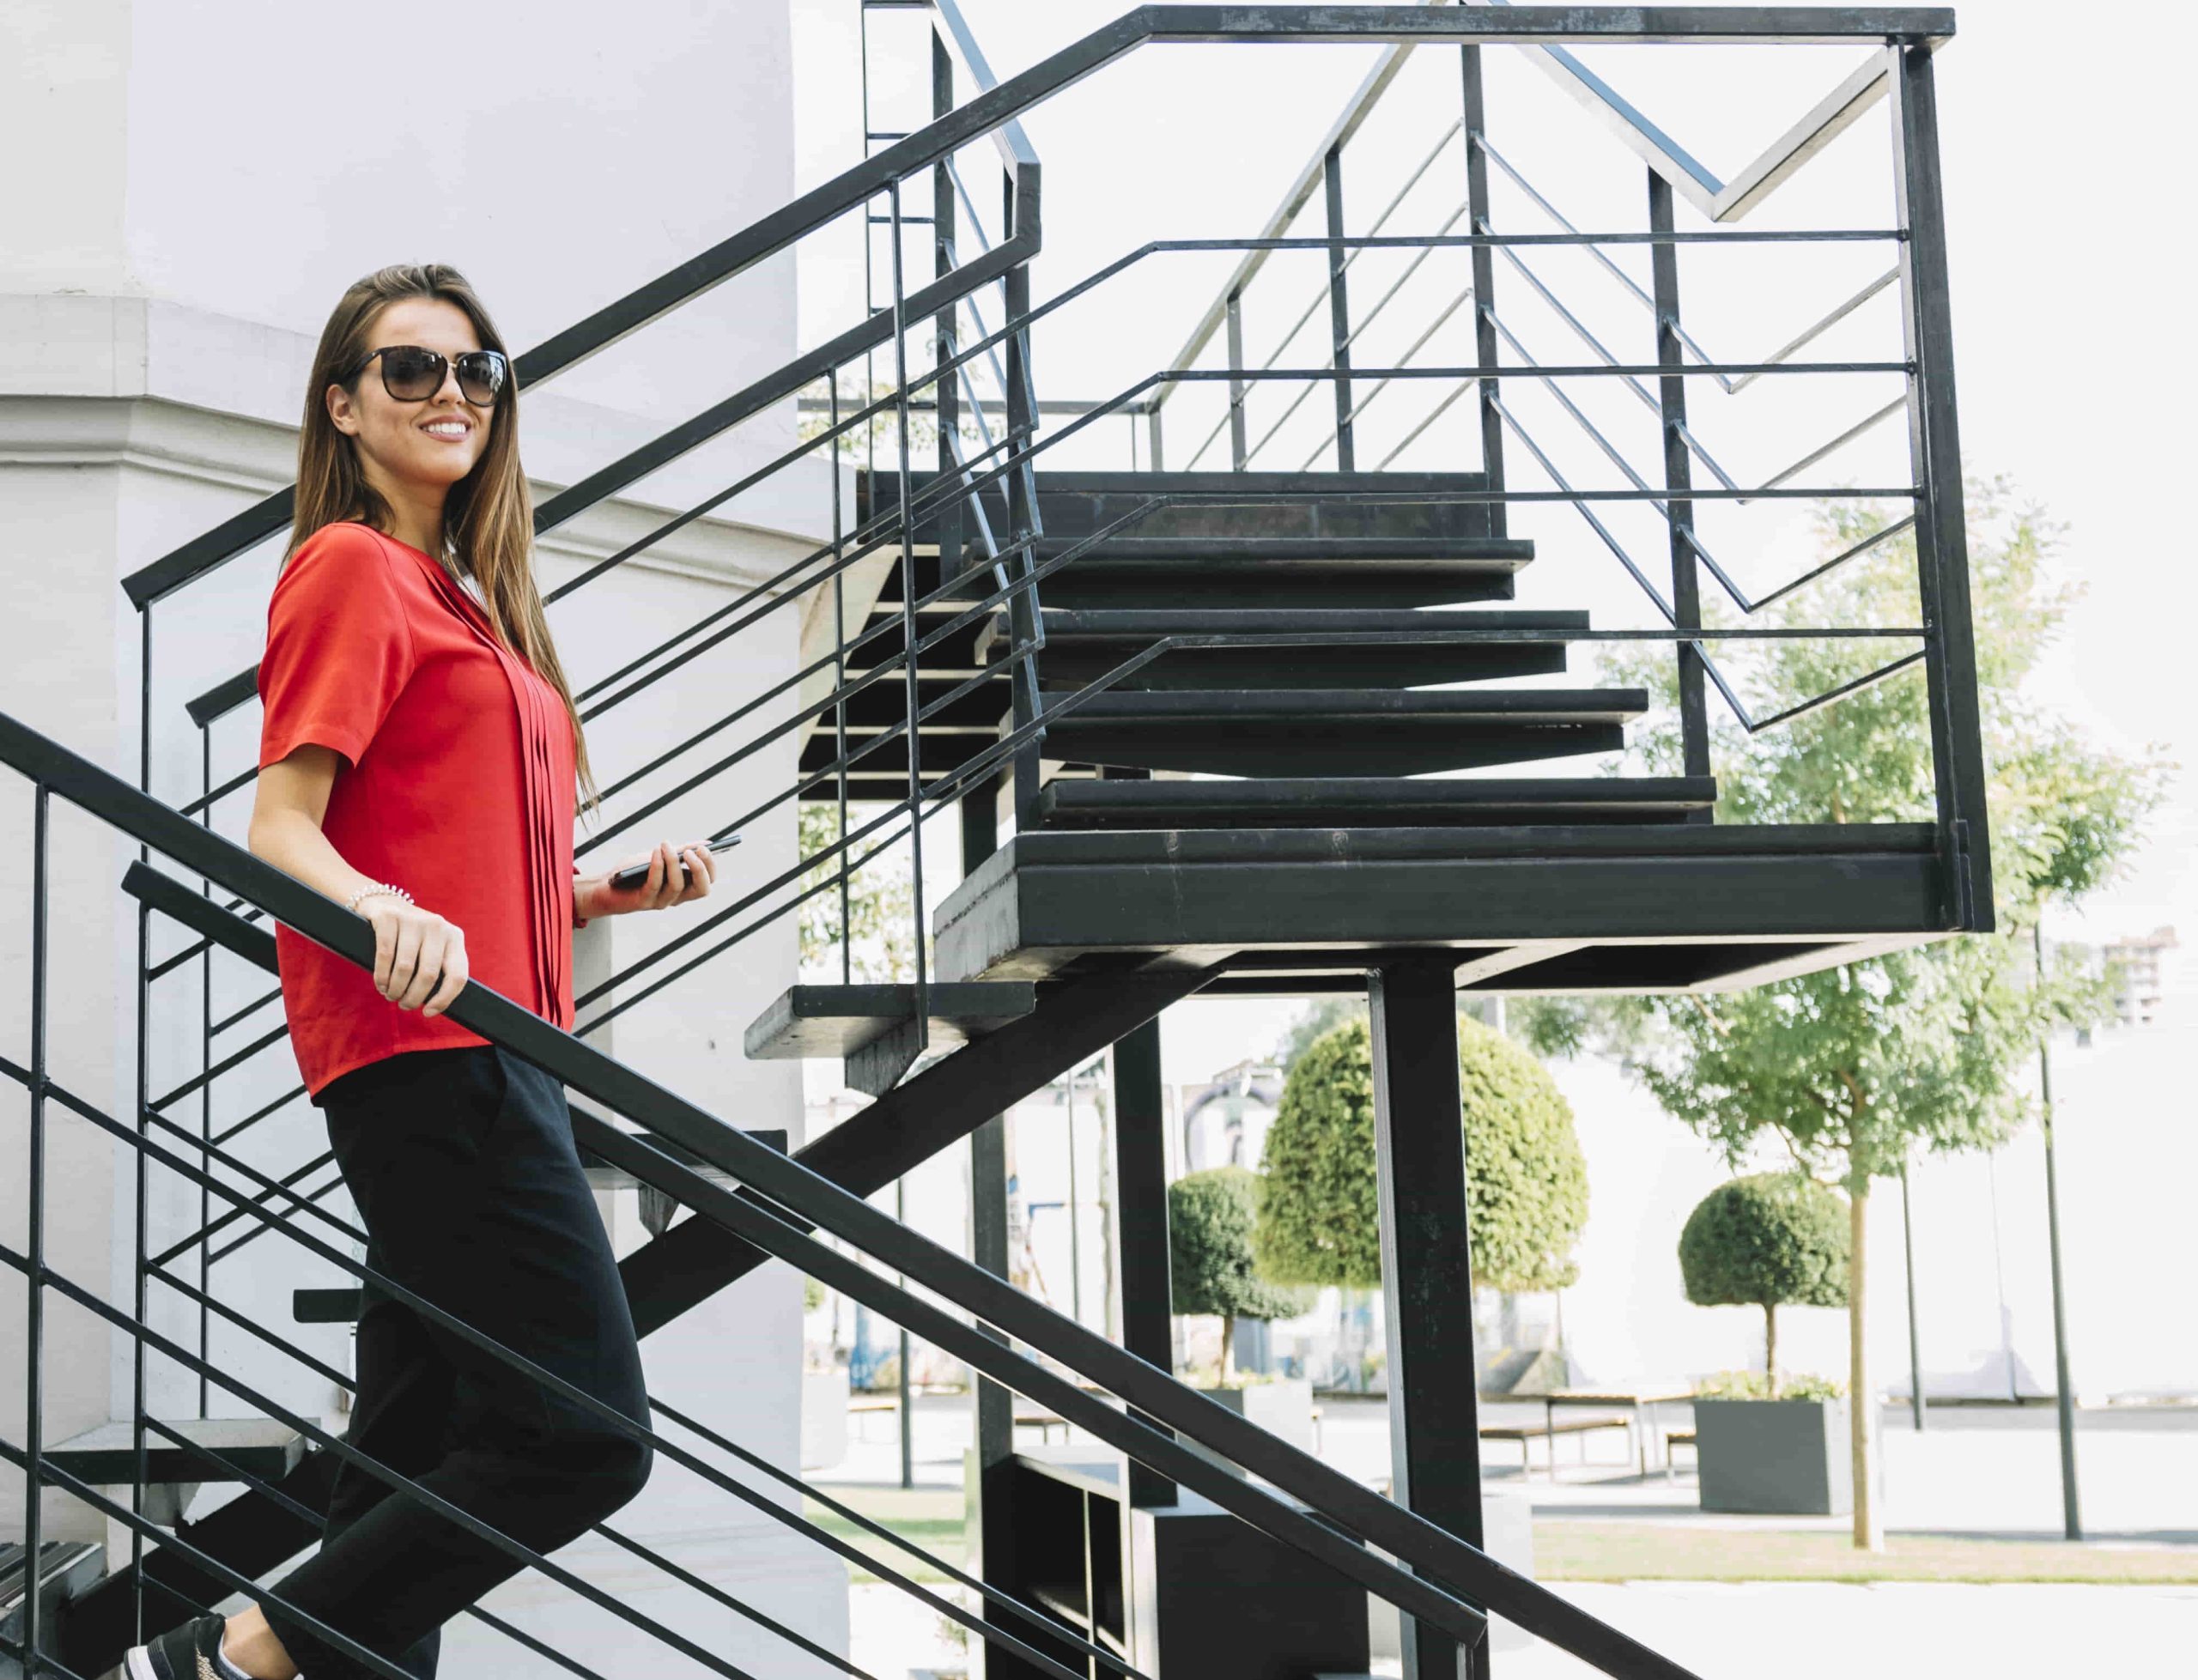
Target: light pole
x,y
1915,1335
2070,1518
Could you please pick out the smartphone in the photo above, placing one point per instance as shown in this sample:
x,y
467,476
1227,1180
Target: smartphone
x,y
634,874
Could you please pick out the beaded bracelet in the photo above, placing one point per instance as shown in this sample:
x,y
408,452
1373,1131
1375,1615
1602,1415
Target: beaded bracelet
x,y
371,889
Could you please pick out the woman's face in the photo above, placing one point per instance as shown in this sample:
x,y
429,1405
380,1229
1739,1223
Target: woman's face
x,y
397,447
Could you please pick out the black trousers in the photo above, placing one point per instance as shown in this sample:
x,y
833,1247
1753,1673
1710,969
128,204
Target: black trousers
x,y
463,1168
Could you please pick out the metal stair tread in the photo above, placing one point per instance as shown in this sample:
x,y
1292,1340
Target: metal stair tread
x,y
1240,706
1365,802
105,1454
1254,549
1073,624
840,1020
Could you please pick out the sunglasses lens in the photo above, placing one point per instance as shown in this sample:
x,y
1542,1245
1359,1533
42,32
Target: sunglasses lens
x,y
411,373
480,376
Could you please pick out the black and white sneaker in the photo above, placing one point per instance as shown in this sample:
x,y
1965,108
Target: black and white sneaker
x,y
192,1652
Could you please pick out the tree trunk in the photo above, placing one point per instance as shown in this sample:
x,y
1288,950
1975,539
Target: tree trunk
x,y
1771,1346
1861,1409
1228,1346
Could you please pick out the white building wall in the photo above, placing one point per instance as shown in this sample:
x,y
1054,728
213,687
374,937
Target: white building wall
x,y
210,176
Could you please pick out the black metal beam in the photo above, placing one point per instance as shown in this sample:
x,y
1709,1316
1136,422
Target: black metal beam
x,y
1941,531
1338,307
988,1519
912,1123
1678,478
1485,348
1049,899
1141,1223
1426,1274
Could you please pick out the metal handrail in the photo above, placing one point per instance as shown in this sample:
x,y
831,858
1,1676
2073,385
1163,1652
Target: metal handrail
x,y
783,1195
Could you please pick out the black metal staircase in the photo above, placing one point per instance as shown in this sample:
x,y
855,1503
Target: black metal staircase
x,y
1244,729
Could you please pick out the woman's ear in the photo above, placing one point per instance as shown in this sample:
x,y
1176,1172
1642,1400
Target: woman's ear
x,y
339,410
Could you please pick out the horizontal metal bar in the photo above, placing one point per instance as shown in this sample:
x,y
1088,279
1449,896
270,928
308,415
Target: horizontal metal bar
x,y
1501,370
1498,241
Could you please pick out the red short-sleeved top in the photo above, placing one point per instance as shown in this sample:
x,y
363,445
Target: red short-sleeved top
x,y
457,784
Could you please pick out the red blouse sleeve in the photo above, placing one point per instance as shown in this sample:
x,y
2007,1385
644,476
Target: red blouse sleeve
x,y
339,647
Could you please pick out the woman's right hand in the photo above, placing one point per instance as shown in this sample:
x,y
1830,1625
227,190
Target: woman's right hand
x,y
419,958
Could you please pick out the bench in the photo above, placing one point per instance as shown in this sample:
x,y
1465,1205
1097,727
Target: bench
x,y
1526,1433
1045,1422
1679,1438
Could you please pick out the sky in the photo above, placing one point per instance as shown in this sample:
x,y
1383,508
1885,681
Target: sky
x,y
2069,261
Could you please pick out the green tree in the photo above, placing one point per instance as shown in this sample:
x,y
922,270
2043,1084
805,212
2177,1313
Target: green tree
x,y
1850,1070
1321,1018
1771,1240
1525,1181
1209,1266
880,440
881,904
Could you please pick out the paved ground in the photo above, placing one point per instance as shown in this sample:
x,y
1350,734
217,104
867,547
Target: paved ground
x,y
1973,1472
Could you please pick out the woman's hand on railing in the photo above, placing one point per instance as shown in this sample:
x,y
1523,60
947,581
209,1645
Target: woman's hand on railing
x,y
419,957
665,884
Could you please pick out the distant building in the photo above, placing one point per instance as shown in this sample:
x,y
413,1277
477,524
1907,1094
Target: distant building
x,y
2134,964
1225,1120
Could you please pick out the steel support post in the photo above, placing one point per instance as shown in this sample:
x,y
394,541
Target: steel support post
x,y
1141,1217
990,1513
1237,445
1338,306
948,520
35,1244
2071,1519
1426,1269
1915,1401
1022,520
1941,532
1485,348
1678,478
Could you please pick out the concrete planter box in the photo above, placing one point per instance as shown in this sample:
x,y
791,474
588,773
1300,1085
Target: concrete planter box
x,y
1283,1408
1787,1456
823,1418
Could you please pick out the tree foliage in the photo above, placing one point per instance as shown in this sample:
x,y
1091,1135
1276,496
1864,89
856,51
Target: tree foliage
x,y
1852,1069
881,904
1210,1263
1210,1267
1771,1240
1525,1179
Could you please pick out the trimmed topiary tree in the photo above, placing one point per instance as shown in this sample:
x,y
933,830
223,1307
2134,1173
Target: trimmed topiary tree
x,y
1772,1239
1210,1265
1526,1181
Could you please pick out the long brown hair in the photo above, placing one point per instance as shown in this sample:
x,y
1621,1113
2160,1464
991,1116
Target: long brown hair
x,y
487,517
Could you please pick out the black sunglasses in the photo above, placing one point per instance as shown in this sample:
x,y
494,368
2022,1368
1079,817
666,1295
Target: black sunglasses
x,y
413,373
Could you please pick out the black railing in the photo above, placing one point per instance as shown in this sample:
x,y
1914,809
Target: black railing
x,y
985,569
1436,1578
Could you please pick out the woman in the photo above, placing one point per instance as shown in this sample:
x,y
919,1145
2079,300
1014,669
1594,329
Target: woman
x,y
418,759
